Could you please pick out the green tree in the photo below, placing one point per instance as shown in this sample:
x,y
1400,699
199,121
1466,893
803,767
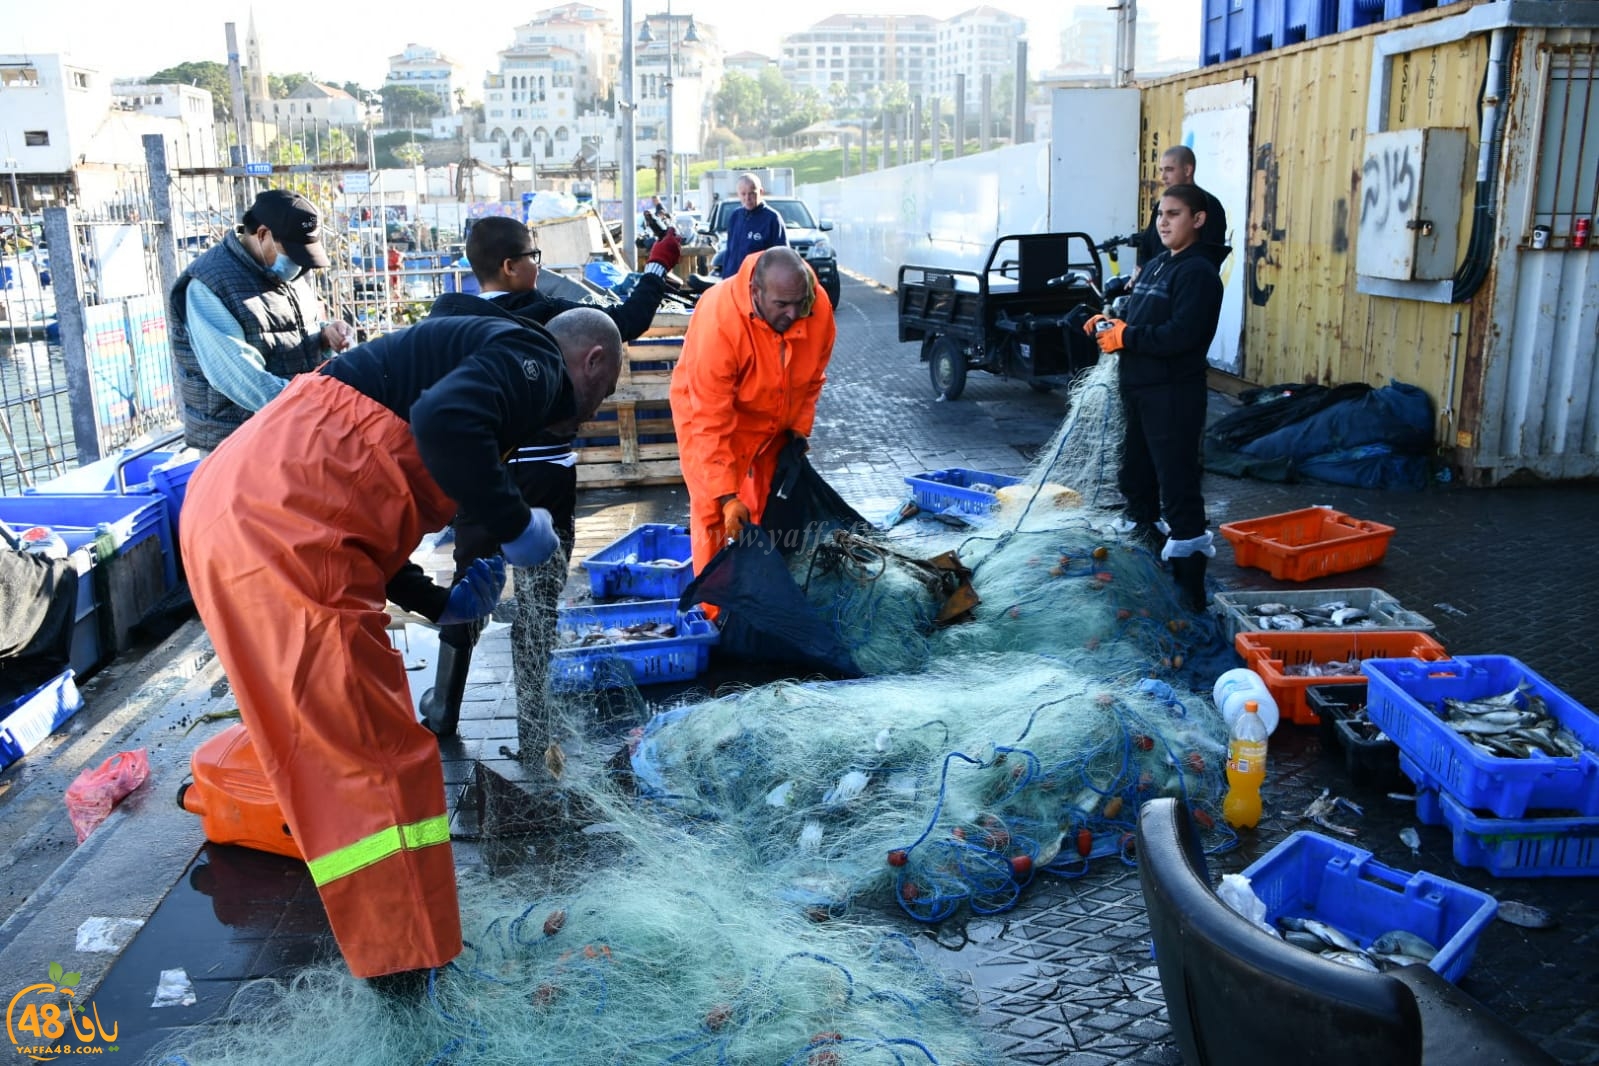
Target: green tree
x,y
337,147
202,74
838,95
896,98
354,90
738,101
280,86
386,147
403,106
805,107
410,153
777,97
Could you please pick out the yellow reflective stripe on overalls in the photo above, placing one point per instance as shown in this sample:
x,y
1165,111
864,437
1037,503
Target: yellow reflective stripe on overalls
x,y
379,846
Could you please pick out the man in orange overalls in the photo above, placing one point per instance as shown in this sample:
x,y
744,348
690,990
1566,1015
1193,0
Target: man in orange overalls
x,y
753,364
300,525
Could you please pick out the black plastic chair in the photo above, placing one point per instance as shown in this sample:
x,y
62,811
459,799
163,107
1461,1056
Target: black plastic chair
x,y
1237,996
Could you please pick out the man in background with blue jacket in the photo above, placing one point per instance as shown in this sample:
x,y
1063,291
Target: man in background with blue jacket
x,y
754,228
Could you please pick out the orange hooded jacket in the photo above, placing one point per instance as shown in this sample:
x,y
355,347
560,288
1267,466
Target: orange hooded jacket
x,y
739,386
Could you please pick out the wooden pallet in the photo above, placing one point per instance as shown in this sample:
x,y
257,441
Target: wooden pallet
x,y
630,441
650,359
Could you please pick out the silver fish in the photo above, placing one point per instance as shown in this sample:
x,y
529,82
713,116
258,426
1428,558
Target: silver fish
x,y
1525,915
1411,839
1357,959
1348,616
1404,942
1308,941
1331,935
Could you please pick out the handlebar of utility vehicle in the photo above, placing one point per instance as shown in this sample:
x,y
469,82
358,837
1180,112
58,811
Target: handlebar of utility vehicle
x,y
1111,244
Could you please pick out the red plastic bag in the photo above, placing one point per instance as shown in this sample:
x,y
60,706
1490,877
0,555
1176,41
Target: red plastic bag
x,y
95,791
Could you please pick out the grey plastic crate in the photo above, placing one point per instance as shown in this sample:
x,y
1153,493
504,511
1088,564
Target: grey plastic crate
x,y
1386,613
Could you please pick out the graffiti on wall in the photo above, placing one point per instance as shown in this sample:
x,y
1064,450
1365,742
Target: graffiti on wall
x,y
1261,265
1390,180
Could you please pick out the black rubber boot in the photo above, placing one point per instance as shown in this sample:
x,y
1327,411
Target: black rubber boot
x,y
1148,536
1188,571
441,704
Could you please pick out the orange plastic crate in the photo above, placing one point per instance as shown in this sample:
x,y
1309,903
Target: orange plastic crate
x,y
1270,654
1307,544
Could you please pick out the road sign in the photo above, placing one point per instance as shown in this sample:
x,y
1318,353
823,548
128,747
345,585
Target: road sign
x,y
258,168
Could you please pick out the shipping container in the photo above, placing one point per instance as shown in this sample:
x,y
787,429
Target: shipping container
x,y
1349,167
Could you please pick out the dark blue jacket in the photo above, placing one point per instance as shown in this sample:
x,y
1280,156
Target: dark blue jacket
x,y
749,232
475,383
1171,318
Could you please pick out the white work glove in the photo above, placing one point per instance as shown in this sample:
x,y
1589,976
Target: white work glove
x,y
534,544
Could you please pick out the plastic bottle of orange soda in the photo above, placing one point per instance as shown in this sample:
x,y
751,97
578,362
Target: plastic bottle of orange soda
x,y
1246,769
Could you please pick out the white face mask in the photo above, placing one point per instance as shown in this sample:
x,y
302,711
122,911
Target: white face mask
x,y
286,268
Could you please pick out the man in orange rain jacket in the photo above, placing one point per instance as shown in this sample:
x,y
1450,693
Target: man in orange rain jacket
x,y
753,364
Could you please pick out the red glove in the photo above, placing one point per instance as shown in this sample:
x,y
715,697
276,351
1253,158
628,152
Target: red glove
x,y
1110,340
667,251
1089,326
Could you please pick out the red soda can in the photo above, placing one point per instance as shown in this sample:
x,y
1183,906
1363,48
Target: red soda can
x,y
1579,235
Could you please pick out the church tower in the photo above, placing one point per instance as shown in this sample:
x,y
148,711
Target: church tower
x,y
255,72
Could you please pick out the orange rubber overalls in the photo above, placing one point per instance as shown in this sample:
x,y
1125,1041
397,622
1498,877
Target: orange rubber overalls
x,y
738,388
288,576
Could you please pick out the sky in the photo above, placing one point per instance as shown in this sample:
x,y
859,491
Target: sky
x,y
346,41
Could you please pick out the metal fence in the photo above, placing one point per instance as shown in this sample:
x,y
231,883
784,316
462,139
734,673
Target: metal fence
x,y
34,405
85,359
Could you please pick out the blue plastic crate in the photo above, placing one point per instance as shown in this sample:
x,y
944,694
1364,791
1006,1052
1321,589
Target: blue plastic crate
x,y
647,662
115,473
1551,846
171,480
87,649
652,562
75,519
951,490
1313,876
25,722
1405,698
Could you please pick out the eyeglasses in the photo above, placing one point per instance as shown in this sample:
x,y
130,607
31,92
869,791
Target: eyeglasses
x,y
535,255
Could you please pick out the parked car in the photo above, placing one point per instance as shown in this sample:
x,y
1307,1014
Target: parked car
x,y
806,235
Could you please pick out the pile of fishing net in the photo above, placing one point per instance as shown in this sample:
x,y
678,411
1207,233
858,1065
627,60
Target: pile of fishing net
x,y
672,952
932,791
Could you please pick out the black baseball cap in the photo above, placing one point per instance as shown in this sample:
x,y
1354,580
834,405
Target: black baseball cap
x,y
294,223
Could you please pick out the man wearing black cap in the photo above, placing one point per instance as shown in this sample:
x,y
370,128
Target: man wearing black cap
x,y
245,318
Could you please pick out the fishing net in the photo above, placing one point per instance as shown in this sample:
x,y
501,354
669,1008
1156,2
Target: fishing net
x,y
673,955
934,790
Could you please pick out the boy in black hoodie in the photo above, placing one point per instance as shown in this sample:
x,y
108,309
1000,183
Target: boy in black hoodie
x,y
1171,318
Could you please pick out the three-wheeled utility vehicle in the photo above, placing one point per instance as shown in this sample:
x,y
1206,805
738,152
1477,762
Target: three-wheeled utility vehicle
x,y
1010,318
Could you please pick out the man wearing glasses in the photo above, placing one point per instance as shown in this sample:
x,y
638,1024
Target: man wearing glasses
x,y
506,266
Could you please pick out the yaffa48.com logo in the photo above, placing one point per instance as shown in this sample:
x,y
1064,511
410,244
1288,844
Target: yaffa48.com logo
x,y
45,1021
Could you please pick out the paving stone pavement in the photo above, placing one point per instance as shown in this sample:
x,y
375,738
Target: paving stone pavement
x,y
1066,977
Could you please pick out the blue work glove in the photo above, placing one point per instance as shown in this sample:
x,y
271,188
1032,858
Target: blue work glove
x,y
534,544
475,595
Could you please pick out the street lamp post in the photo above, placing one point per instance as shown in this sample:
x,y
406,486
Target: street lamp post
x,y
690,36
16,195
